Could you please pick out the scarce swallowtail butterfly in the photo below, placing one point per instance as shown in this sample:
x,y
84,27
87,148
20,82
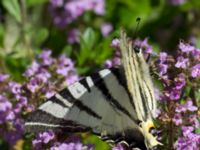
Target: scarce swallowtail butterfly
x,y
116,104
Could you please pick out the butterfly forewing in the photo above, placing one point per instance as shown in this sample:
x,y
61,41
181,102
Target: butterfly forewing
x,y
100,102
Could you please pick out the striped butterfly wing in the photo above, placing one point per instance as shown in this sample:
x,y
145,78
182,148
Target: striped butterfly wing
x,y
100,103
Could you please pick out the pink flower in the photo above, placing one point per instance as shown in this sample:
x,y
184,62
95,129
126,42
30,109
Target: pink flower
x,y
57,3
106,28
32,69
44,137
73,36
184,47
15,87
180,81
182,62
115,42
172,94
163,57
187,106
118,147
163,69
3,77
195,71
45,56
177,119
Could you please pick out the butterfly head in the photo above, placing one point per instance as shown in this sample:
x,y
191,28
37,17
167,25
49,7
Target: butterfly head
x,y
137,49
150,134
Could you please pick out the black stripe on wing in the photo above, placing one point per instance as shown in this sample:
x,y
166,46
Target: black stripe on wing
x,y
78,103
85,108
120,76
85,84
54,99
66,94
144,101
105,92
41,121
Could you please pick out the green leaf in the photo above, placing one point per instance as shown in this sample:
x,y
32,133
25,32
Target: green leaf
x,y
197,96
197,130
89,38
13,7
198,42
102,51
2,33
67,50
99,144
3,144
192,4
83,70
87,41
40,36
35,2
12,34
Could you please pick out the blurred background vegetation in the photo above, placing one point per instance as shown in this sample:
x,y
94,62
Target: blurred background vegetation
x,y
28,26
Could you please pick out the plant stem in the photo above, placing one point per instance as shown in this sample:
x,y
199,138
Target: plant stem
x,y
3,66
171,127
23,29
192,95
171,135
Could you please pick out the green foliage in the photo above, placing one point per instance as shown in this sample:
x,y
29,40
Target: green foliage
x,y
13,8
197,131
91,49
35,3
26,28
99,145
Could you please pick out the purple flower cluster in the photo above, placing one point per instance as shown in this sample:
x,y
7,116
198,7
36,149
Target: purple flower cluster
x,y
116,60
6,113
75,145
189,140
43,138
176,74
44,76
65,12
12,103
49,140
182,110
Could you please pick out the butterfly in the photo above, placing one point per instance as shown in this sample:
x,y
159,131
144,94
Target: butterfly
x,y
116,104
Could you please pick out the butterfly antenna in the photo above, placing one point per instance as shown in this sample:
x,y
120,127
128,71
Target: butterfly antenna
x,y
138,23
